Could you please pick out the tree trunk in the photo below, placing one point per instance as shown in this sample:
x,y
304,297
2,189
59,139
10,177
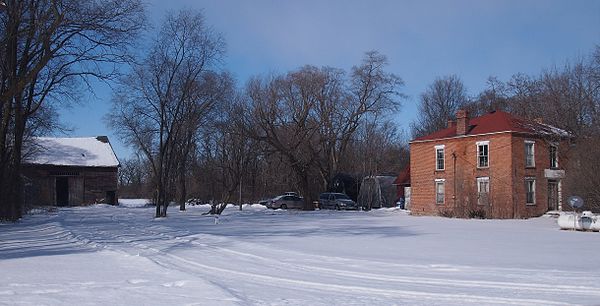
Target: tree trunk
x,y
182,188
305,189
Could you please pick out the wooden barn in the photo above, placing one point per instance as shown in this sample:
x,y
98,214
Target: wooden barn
x,y
70,171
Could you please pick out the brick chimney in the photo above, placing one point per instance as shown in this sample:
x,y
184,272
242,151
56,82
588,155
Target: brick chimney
x,y
462,122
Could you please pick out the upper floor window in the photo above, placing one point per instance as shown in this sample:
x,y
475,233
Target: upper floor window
x,y
483,151
529,153
439,157
553,156
440,190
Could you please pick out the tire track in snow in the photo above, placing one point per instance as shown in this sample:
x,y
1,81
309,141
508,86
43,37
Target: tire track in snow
x,y
142,235
156,255
170,260
446,282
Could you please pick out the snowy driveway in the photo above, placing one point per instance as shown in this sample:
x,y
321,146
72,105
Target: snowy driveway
x,y
122,256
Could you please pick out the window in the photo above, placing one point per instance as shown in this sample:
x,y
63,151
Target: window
x,y
439,157
553,157
529,153
483,190
439,191
483,159
530,191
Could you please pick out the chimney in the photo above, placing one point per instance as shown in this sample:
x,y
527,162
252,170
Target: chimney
x,y
451,123
462,122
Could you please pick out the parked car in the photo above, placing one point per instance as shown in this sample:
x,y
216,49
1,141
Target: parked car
x,y
264,202
334,200
286,201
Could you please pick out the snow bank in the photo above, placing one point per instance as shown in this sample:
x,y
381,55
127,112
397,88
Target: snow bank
x,y
132,203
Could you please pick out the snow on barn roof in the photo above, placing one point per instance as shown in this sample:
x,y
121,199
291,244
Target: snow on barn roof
x,y
79,151
498,121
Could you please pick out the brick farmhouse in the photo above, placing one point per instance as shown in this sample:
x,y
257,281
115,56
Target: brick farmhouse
x,y
70,171
494,166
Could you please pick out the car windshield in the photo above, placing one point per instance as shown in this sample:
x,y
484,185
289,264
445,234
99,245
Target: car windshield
x,y
342,196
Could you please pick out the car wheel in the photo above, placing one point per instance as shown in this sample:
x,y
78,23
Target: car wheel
x,y
283,206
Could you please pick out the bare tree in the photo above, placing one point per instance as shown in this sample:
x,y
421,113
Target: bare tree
x,y
281,115
370,95
48,48
162,102
133,178
494,97
439,104
309,116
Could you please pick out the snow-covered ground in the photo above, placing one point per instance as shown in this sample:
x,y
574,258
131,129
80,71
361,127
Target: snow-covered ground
x,y
122,256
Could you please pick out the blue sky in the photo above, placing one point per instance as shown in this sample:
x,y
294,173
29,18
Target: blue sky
x,y
422,40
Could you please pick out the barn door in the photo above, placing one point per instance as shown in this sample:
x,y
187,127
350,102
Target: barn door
x,y
62,191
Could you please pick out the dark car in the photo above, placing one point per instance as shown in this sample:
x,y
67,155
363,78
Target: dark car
x,y
334,200
285,202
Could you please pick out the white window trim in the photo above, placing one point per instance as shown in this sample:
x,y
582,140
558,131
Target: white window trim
x,y
479,180
443,182
530,179
483,179
477,144
532,142
443,148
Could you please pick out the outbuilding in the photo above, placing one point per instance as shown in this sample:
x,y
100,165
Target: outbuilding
x,y
70,171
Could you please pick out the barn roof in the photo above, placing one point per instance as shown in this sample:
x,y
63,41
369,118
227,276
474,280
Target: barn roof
x,y
79,151
497,121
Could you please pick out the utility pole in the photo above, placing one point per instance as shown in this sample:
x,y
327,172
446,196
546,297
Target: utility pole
x,y
241,174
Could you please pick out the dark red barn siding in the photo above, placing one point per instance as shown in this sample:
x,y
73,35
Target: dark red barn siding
x,y
71,171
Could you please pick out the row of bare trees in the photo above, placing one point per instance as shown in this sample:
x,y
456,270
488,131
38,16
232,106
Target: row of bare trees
x,y
48,51
293,131
161,105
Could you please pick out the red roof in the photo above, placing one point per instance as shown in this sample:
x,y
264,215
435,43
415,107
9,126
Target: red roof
x,y
497,121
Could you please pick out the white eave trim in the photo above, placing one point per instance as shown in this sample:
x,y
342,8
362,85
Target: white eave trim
x,y
484,134
460,136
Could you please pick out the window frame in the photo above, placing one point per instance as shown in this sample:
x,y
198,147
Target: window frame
x,y
443,149
529,180
487,156
480,180
527,164
553,154
437,183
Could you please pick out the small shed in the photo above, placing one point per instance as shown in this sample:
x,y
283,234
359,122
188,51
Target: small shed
x,y
377,192
70,171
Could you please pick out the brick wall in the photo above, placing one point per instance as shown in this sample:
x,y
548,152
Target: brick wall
x,y
460,174
506,173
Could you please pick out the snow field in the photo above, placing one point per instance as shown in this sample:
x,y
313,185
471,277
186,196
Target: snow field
x,y
122,256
